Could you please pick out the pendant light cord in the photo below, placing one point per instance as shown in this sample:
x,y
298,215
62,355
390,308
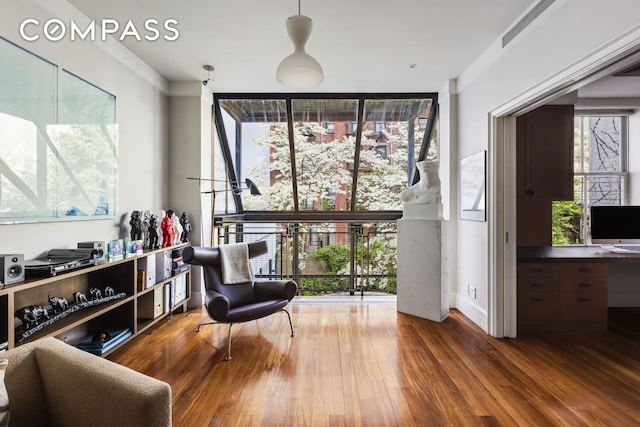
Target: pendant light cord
x,y
298,7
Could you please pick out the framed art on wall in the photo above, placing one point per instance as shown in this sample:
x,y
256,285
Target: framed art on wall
x,y
473,173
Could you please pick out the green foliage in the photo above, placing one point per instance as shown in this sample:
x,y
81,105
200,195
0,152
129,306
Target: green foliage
x,y
566,217
310,286
335,257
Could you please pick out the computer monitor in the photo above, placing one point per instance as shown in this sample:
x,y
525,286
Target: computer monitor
x,y
612,225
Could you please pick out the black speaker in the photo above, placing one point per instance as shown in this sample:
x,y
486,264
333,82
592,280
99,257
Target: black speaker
x,y
11,268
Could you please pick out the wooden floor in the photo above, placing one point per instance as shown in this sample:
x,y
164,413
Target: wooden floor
x,y
357,364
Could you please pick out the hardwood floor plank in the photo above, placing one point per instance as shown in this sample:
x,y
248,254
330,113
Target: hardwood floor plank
x,y
358,364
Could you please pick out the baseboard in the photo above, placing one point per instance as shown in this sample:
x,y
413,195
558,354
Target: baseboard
x,y
476,314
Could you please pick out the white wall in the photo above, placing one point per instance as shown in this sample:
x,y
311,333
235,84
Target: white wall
x,y
568,33
142,110
190,156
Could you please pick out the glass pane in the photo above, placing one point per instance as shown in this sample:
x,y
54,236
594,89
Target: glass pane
x,y
604,143
83,154
604,190
257,129
391,142
28,92
59,142
324,140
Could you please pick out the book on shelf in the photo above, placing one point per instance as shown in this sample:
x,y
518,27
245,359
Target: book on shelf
x,y
103,340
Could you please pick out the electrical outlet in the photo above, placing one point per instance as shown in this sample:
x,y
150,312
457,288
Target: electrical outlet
x,y
471,291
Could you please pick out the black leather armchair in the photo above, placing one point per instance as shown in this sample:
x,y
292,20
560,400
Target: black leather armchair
x,y
241,302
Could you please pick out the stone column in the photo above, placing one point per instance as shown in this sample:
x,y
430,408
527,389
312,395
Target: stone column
x,y
421,290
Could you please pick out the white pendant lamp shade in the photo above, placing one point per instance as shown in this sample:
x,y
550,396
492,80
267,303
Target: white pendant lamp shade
x,y
299,70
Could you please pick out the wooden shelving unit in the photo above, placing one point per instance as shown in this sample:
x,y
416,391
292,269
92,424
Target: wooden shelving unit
x,y
140,308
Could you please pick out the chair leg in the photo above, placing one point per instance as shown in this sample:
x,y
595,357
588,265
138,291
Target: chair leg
x,y
290,324
229,348
204,323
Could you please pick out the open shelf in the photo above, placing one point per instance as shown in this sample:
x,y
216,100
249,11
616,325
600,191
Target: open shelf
x,y
127,311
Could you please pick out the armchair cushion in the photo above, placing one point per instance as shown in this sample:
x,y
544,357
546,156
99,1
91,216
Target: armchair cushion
x,y
255,311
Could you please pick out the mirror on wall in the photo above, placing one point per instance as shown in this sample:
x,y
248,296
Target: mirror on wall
x,y
58,142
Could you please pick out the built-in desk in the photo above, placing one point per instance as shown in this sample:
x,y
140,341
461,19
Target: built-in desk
x,y
565,287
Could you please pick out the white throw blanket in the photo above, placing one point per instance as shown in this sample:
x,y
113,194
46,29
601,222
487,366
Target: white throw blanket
x,y
234,262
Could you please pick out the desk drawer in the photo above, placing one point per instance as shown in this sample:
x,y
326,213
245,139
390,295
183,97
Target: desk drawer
x,y
539,269
538,307
584,306
539,284
584,284
582,269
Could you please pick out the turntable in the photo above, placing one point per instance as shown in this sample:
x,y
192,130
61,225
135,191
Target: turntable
x,y
62,260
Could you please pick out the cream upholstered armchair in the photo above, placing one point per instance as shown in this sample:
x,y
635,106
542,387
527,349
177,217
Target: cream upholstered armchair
x,y
235,297
50,383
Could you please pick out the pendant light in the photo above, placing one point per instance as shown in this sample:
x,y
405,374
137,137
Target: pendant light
x,y
299,70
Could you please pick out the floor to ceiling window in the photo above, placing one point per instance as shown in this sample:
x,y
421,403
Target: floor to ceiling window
x,y
329,170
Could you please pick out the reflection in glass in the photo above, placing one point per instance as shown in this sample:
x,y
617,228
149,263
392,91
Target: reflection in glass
x,y
58,148
83,151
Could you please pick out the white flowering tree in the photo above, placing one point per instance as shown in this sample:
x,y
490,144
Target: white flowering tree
x,y
324,168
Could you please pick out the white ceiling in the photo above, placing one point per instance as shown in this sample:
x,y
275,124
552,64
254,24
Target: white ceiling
x,y
363,45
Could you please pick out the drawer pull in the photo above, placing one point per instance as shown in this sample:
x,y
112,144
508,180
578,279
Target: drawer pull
x,y
536,299
536,285
536,270
584,270
583,299
584,285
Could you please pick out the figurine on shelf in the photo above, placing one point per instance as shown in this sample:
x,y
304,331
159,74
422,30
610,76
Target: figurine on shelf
x,y
186,228
146,224
168,232
95,293
153,233
79,297
136,225
109,292
31,315
58,304
177,227
160,227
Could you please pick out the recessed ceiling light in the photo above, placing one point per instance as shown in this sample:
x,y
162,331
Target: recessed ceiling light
x,y
413,65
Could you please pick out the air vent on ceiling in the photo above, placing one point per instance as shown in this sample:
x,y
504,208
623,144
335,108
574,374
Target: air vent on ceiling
x,y
527,19
633,71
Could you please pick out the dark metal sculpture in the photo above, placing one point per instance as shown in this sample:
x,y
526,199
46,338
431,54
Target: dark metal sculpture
x,y
58,304
186,227
79,297
153,232
95,293
31,315
136,226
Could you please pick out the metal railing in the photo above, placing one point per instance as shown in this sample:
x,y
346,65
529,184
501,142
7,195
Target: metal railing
x,y
347,259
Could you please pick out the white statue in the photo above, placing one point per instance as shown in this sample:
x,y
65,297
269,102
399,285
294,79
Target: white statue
x,y
177,227
427,190
161,214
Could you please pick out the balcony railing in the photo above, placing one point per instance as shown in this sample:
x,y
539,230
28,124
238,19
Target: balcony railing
x,y
347,259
